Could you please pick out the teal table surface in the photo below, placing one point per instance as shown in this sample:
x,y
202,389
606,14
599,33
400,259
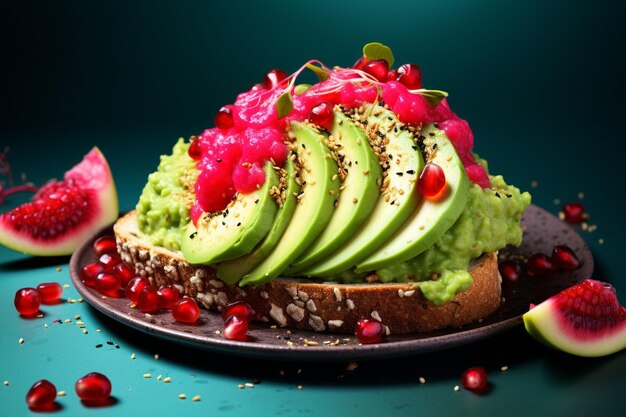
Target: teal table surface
x,y
541,86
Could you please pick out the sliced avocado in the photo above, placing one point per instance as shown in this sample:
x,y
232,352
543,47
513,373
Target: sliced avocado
x,y
234,231
316,203
233,270
402,161
361,175
432,218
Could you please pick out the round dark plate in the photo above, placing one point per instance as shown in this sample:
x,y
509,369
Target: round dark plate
x,y
542,231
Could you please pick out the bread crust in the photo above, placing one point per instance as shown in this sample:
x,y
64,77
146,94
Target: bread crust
x,y
315,305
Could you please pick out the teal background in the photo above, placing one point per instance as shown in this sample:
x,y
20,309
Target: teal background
x,y
541,83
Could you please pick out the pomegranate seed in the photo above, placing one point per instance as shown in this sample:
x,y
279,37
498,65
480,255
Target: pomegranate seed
x,y
564,258
186,310
236,328
49,292
238,308
273,78
27,301
378,69
574,213
109,260
392,74
410,75
360,63
168,295
89,272
194,150
148,300
125,272
474,378
93,387
108,284
41,395
322,115
134,287
223,119
368,330
105,244
539,264
510,270
432,180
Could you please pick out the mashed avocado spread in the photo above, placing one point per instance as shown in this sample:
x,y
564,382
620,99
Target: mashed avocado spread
x,y
489,222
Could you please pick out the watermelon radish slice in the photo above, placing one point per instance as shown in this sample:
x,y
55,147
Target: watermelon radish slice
x,y
63,214
584,320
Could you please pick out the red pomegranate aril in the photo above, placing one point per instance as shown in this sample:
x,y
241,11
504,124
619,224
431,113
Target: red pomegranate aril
x,y
410,75
41,395
89,272
378,69
27,301
432,180
109,260
474,378
105,244
148,300
574,213
194,150
236,328
49,292
273,78
368,330
539,264
564,258
168,296
125,272
510,270
186,310
93,387
238,308
392,74
134,287
322,115
108,284
223,119
360,63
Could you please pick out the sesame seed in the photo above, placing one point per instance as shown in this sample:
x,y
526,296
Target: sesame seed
x,y
77,317
167,379
66,285
147,375
249,385
300,387
61,393
456,388
182,396
217,332
422,380
240,386
132,356
20,341
85,331
159,377
156,356
59,269
504,368
196,398
67,320
6,383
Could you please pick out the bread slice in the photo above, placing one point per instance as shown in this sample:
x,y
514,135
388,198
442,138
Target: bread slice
x,y
315,305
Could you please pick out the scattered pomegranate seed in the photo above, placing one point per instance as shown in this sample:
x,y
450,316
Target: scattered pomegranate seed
x,y
474,378
510,270
378,68
105,244
223,119
49,292
360,63
194,151
93,387
574,213
322,115
27,301
273,78
368,330
432,180
168,295
539,264
186,310
392,74
109,260
238,308
41,395
148,300
236,328
564,258
134,287
410,75
108,284
89,272
125,272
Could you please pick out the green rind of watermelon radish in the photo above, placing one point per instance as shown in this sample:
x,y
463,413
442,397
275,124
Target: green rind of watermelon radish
x,y
93,175
546,323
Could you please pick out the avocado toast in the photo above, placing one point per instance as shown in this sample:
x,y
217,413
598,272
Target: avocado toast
x,y
318,205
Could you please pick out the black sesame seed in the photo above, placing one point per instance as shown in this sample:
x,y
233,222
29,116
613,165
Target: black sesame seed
x,y
99,345
410,172
256,201
238,224
110,343
193,235
399,174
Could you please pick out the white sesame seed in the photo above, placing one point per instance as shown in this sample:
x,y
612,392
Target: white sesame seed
x,y
156,356
159,377
20,341
182,396
300,387
77,317
85,331
132,356
422,380
147,375
196,398
240,386
456,388
249,385
6,383
167,379
66,285
504,368
61,393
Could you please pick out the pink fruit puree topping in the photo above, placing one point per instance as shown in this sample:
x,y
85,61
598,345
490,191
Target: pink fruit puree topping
x,y
232,158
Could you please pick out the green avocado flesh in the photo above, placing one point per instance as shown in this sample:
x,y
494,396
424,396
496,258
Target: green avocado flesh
x,y
234,231
233,270
320,189
362,175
